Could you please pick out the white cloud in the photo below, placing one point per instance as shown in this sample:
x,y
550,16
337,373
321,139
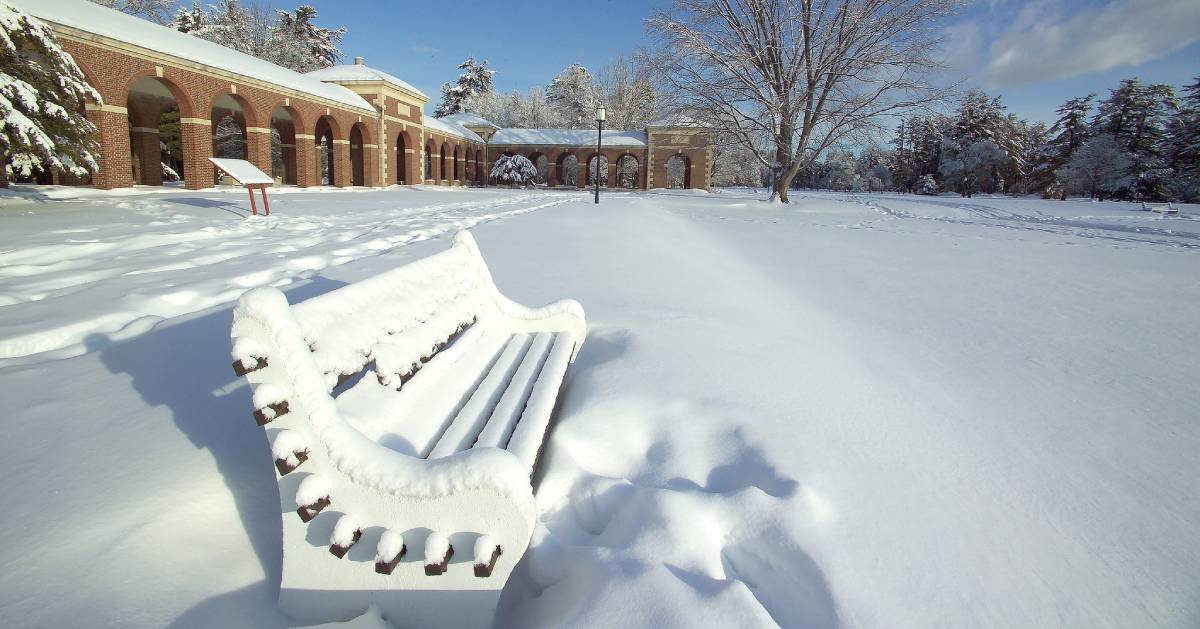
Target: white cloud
x,y
1046,42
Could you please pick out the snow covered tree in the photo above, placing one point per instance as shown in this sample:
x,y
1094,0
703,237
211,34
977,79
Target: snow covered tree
x,y
1184,145
808,73
189,19
299,44
42,93
1100,168
514,170
973,168
627,90
574,94
474,80
157,11
228,139
926,185
1135,115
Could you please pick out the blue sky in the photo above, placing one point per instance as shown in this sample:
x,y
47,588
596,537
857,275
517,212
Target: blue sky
x,y
1034,53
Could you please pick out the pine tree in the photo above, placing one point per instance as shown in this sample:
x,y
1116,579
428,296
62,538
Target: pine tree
x,y
1100,168
302,45
188,20
573,93
474,80
157,11
1184,145
42,93
1135,115
515,170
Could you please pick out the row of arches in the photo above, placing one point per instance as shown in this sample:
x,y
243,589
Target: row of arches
x,y
565,169
162,134
444,161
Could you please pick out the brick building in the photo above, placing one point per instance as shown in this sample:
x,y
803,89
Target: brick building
x,y
171,100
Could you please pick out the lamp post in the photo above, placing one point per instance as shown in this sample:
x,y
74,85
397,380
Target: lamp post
x,y
599,133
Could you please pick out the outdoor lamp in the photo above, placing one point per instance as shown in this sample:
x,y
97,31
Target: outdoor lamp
x,y
599,132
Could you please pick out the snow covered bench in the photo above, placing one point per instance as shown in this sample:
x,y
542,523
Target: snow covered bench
x,y
1162,208
406,414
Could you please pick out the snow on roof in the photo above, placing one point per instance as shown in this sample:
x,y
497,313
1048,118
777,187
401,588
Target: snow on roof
x,y
463,118
93,18
570,137
360,72
440,124
676,120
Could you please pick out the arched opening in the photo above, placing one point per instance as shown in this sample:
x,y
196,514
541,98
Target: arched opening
x,y
601,162
154,136
442,172
679,171
568,170
479,167
628,171
542,164
283,145
401,159
429,174
228,129
456,172
358,170
326,164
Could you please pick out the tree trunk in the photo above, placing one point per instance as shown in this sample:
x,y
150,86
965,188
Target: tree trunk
x,y
782,184
3,169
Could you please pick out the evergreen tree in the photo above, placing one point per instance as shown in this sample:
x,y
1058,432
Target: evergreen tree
x,y
1100,168
573,93
1184,145
42,93
475,79
515,170
1135,115
188,20
302,45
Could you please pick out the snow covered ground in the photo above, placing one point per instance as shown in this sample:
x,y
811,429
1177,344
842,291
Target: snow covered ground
x,y
870,411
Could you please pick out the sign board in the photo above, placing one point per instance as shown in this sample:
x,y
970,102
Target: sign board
x,y
242,170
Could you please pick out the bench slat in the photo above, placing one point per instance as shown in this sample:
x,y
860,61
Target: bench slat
x,y
498,429
527,439
470,420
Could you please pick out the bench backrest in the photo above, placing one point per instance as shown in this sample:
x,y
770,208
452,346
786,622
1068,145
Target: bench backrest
x,y
410,311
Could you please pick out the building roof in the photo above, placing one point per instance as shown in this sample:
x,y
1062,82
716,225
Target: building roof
x,y
362,72
569,137
467,119
676,120
450,128
160,40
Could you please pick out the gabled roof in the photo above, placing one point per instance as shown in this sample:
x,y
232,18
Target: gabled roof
x,y
569,137
450,128
467,119
158,40
359,72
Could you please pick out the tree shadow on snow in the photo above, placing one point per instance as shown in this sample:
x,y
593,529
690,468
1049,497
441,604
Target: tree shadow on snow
x,y
201,202
185,367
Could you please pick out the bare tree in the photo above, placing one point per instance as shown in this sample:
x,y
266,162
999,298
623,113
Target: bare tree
x,y
807,73
627,91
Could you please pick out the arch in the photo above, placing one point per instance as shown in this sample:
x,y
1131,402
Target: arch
x,y
155,140
284,122
592,161
679,171
140,80
628,171
358,167
401,159
229,125
324,134
442,161
457,173
568,169
542,164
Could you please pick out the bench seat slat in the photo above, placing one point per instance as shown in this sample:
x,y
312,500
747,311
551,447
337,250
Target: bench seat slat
x,y
527,439
499,428
463,431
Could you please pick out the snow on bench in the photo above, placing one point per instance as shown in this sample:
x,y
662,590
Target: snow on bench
x,y
1162,208
408,409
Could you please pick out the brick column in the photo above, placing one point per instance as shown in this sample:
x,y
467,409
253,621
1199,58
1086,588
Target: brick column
x,y
581,170
307,171
195,135
112,125
258,148
370,165
341,161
